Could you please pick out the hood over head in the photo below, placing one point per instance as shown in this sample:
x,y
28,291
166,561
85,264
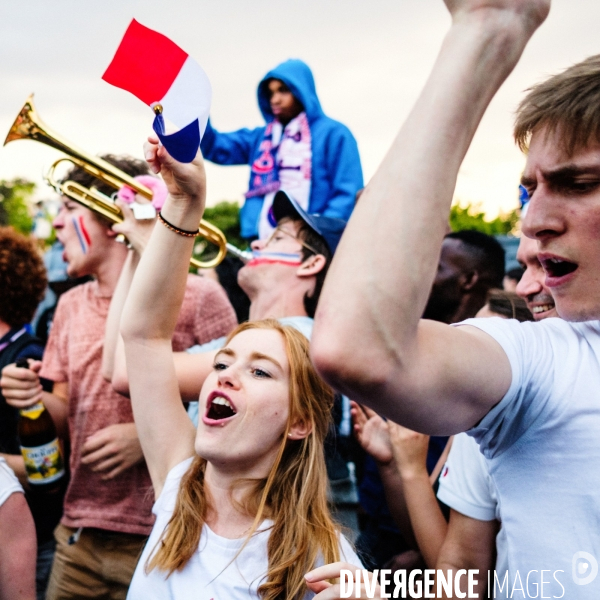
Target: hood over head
x,y
297,75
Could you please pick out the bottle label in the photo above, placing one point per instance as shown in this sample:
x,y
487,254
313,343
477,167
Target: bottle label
x,y
44,464
33,412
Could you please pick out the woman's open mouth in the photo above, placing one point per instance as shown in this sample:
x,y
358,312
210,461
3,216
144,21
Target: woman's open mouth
x,y
219,408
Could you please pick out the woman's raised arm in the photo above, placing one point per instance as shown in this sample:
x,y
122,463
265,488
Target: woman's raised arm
x,y
150,314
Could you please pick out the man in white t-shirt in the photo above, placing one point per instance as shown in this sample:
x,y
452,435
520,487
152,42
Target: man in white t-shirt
x,y
17,539
527,391
474,533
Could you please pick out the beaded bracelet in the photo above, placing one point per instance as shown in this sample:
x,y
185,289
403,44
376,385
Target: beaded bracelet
x,y
177,229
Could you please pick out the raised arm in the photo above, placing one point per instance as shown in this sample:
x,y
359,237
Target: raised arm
x,y
191,370
150,315
231,148
112,350
368,341
137,233
428,522
373,434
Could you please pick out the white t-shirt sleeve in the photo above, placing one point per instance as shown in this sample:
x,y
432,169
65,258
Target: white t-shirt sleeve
x,y
465,484
531,356
165,503
9,484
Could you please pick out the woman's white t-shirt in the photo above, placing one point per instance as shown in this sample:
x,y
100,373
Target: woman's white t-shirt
x,y
210,574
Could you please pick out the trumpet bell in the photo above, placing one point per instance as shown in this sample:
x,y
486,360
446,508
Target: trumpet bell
x,y
25,125
29,126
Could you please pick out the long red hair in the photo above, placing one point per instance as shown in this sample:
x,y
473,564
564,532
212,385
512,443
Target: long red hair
x,y
293,495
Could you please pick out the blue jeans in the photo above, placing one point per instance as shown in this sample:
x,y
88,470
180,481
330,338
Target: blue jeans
x,y
45,558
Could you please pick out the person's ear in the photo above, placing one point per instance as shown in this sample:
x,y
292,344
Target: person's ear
x,y
313,265
469,281
299,430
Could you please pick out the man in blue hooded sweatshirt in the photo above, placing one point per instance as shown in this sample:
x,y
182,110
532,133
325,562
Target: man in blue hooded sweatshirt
x,y
300,150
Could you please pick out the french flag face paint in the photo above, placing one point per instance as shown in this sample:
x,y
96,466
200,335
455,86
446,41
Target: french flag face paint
x,y
163,76
264,257
85,241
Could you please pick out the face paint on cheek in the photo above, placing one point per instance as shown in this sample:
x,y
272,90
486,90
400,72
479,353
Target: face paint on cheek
x,y
85,240
264,257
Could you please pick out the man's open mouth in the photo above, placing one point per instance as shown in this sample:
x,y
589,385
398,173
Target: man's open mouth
x,y
220,408
557,267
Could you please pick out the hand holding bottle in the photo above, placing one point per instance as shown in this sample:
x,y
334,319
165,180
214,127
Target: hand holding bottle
x,y
21,386
39,443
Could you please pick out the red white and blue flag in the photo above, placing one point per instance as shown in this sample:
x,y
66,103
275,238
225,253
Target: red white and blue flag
x,y
163,76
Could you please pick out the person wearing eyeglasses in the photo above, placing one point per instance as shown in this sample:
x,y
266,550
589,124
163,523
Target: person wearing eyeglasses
x,y
283,281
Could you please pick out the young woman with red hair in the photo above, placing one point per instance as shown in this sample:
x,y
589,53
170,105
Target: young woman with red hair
x,y
241,509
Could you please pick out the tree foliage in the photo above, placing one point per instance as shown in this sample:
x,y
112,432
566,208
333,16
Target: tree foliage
x,y
226,216
14,204
470,216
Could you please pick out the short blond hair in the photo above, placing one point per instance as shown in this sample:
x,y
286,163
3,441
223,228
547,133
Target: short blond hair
x,y
567,104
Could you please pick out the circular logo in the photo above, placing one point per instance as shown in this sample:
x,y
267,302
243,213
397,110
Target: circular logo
x,y
585,568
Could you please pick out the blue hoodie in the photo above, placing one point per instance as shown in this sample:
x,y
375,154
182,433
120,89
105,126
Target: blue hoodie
x,y
336,170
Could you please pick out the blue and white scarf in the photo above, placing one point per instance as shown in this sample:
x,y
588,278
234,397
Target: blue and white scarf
x,y
284,162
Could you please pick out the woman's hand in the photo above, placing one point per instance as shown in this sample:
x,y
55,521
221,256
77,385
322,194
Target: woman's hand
x,y
372,433
316,580
409,449
185,181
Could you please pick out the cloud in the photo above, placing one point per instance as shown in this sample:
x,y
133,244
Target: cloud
x,y
370,61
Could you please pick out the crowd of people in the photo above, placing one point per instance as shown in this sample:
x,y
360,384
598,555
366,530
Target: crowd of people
x,y
441,418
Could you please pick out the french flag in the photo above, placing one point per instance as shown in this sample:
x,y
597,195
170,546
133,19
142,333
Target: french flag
x,y
174,85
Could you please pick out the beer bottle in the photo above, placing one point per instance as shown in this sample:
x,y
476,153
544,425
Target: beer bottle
x,y
40,447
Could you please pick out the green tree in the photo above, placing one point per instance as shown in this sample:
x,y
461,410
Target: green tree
x,y
226,216
470,216
15,195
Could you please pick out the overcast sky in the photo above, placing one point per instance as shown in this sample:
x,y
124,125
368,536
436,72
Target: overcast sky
x,y
370,59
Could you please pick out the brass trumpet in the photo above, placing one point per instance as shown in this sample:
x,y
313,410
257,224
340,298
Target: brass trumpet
x,y
28,125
